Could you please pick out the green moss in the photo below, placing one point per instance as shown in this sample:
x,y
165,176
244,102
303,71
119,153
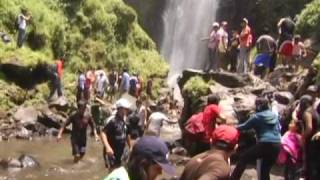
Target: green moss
x,y
308,22
196,86
89,33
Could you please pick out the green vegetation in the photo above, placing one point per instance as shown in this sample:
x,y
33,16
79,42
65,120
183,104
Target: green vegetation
x,y
89,33
196,86
308,22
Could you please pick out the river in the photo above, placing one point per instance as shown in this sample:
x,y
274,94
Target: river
x,y
55,160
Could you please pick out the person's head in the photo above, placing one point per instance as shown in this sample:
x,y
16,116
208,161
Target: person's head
x,y
224,25
225,138
266,30
215,26
82,105
213,99
313,90
123,107
296,38
305,102
244,22
262,104
24,11
125,69
148,158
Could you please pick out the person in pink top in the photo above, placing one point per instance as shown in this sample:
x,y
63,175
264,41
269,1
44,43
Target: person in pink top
x,y
298,51
213,47
245,39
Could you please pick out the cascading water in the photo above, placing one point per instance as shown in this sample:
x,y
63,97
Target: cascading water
x,y
186,22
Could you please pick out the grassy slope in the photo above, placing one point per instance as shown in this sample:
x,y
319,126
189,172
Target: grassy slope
x,y
90,33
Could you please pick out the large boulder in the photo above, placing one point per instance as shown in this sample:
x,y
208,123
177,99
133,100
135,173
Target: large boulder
x,y
26,115
50,118
28,161
230,80
284,97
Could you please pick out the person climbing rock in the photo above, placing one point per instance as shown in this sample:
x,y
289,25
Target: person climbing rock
x,y
80,121
55,82
22,20
233,51
115,136
213,164
299,52
245,45
267,127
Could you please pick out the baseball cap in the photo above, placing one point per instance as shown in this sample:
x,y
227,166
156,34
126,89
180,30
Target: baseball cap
x,y
226,134
123,103
155,149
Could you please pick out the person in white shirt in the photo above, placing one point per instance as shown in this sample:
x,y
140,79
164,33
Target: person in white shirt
x,y
223,46
156,120
22,26
101,84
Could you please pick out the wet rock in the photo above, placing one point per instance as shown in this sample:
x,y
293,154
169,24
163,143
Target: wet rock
x,y
284,97
170,131
179,151
26,115
51,119
14,163
28,161
60,104
226,79
52,132
23,133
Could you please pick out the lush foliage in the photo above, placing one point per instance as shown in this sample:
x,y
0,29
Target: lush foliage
x,y
196,86
89,33
308,21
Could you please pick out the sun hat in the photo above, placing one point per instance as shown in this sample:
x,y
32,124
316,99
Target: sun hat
x,y
123,103
215,24
155,149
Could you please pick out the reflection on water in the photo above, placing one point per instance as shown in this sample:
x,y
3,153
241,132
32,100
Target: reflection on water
x,y
55,160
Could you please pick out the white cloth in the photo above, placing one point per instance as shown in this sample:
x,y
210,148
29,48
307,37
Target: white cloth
x,y
101,83
155,122
223,40
22,22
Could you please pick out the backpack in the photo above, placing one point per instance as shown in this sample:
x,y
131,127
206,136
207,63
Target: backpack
x,y
132,86
194,126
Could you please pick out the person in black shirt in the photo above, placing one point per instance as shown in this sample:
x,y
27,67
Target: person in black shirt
x,y
80,121
115,136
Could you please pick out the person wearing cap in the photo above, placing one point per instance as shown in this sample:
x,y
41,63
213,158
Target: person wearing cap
x,y
213,164
114,136
80,121
148,158
266,125
213,47
223,46
245,43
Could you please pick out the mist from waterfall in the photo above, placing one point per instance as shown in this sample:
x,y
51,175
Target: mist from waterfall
x,y
186,22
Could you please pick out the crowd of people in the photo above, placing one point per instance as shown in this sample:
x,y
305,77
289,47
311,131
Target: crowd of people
x,y
233,53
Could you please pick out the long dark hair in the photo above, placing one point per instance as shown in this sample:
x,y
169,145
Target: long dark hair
x,y
137,167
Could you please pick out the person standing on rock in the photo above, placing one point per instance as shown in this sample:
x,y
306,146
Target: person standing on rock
x,y
22,26
286,29
267,127
213,47
223,46
113,84
80,121
213,164
233,51
114,136
245,44
55,82
266,44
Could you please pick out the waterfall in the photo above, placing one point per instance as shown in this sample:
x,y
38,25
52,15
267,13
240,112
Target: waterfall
x,y
186,22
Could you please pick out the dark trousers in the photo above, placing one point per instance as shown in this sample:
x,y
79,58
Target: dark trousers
x,y
115,160
312,158
56,87
21,37
267,152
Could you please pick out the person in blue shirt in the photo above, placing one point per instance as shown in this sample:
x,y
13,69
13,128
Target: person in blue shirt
x,y
266,125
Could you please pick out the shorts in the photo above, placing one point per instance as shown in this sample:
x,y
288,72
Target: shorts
x,y
78,146
115,160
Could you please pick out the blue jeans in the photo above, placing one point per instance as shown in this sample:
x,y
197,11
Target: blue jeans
x,y
21,37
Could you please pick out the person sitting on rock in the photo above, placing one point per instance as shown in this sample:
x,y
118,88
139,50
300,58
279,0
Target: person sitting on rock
x,y
213,164
80,121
